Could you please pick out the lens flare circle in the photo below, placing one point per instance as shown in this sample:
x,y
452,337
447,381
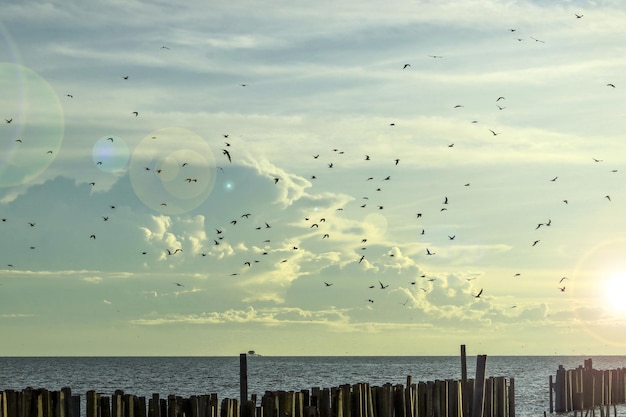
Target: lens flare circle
x,y
172,170
110,154
34,123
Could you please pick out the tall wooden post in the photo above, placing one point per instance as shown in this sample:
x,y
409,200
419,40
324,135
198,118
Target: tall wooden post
x,y
463,365
243,384
479,387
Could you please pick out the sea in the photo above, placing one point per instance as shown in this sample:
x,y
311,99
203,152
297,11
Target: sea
x,y
186,376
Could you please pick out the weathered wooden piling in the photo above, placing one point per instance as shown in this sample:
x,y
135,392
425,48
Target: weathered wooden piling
x,y
585,388
480,397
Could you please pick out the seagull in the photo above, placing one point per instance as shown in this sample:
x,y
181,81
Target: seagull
x,y
554,179
562,289
136,113
406,66
562,279
8,120
451,237
535,242
382,286
578,16
607,197
500,98
608,85
479,293
494,133
428,252
225,152
327,284
178,284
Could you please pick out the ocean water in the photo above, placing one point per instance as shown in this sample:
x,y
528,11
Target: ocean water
x,y
186,376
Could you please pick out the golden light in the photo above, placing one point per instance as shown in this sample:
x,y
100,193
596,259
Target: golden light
x,y
615,292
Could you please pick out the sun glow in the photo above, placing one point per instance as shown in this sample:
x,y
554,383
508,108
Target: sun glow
x,y
615,292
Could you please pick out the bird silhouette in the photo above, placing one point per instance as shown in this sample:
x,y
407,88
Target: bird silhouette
x,y
225,152
479,293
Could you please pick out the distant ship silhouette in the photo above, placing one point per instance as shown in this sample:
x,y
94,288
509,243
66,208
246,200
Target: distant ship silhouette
x,y
252,353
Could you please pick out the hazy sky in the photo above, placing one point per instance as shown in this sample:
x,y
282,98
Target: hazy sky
x,y
330,178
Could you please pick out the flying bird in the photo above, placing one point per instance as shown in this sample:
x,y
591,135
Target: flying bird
x,y
479,293
328,284
225,152
578,16
136,113
428,252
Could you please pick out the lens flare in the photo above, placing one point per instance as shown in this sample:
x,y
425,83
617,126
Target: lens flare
x,y
110,154
172,170
34,125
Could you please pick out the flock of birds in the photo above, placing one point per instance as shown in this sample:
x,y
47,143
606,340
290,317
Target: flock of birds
x,y
314,223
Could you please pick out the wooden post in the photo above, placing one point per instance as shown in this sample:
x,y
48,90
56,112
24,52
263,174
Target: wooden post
x,y
512,397
463,365
243,384
479,386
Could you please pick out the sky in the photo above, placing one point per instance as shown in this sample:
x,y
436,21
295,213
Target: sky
x,y
329,178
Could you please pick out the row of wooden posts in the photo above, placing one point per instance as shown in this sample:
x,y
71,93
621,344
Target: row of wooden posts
x,y
585,388
479,397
